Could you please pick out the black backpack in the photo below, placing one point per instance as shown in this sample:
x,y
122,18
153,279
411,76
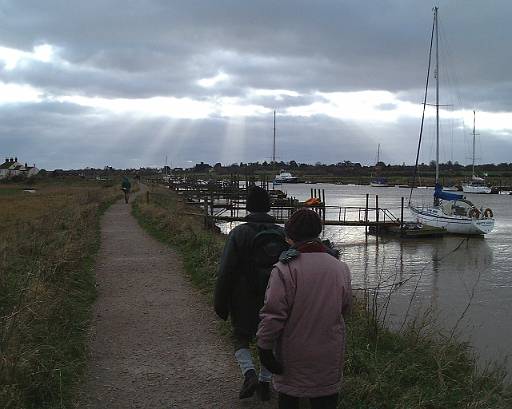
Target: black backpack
x,y
266,246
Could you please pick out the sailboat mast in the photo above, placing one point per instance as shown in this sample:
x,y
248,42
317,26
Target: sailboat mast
x,y
378,153
274,146
474,134
437,95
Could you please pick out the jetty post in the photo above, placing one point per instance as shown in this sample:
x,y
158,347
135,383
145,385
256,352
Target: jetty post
x,y
377,215
366,215
402,216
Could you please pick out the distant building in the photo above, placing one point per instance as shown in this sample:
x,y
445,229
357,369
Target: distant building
x,y
11,168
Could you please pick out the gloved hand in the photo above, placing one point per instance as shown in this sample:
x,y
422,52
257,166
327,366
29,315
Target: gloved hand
x,y
269,361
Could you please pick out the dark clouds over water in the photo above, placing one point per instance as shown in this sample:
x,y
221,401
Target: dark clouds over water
x,y
138,50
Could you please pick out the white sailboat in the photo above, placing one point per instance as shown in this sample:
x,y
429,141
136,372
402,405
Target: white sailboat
x,y
475,184
449,210
378,181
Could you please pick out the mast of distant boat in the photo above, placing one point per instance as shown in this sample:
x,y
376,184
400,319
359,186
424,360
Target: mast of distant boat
x,y
437,96
436,200
274,146
474,137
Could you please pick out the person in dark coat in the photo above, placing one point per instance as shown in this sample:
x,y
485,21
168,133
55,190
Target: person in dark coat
x,y
235,295
309,294
126,186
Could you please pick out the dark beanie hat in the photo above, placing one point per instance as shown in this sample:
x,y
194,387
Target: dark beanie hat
x,y
258,200
302,225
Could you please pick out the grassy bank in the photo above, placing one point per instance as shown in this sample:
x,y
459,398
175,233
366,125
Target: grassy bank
x,y
48,241
411,369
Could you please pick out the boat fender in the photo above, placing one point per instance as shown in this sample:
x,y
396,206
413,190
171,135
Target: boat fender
x,y
474,213
488,214
312,201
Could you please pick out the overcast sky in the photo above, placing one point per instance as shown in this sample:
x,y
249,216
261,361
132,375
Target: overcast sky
x,y
126,83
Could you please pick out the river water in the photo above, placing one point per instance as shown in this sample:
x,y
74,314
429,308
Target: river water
x,y
463,284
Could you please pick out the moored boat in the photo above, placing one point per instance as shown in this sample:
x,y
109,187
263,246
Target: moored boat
x,y
285,177
379,182
454,213
476,184
450,211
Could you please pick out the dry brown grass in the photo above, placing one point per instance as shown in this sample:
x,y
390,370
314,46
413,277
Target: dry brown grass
x,y
47,242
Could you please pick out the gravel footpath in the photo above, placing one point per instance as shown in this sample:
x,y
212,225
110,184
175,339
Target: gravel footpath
x,y
154,340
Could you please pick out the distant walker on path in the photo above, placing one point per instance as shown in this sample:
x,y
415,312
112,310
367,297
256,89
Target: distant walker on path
x,y
250,252
126,187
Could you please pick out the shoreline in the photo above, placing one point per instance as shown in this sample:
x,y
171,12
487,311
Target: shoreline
x,y
417,367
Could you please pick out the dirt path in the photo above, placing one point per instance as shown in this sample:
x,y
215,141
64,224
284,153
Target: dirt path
x,y
154,339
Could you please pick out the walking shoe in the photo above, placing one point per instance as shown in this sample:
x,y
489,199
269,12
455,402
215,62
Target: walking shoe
x,y
250,384
263,391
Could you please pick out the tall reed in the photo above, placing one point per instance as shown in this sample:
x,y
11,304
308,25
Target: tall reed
x,y
47,288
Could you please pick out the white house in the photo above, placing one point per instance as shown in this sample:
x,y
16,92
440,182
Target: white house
x,y
11,167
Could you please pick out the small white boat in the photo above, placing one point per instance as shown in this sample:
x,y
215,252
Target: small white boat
x,y
285,177
475,184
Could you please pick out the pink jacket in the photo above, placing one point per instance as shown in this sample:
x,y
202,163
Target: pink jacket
x,y
302,320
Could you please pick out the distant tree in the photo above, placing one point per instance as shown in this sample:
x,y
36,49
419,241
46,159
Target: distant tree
x,y
201,167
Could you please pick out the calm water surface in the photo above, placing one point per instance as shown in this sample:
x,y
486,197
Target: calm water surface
x,y
465,283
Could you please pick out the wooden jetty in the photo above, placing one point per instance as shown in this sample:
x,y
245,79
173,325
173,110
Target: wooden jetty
x,y
225,201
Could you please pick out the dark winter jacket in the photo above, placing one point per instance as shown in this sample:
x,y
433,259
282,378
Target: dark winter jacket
x,y
235,294
126,185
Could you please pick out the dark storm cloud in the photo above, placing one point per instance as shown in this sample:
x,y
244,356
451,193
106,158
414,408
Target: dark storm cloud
x,y
303,45
142,49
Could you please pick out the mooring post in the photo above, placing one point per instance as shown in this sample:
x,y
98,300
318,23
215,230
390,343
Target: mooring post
x,y
377,215
366,214
311,194
402,216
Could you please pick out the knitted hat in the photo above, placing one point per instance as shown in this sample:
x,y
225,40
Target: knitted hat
x,y
302,225
258,200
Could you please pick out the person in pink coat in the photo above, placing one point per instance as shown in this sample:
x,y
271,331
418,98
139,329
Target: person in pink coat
x,y
301,335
